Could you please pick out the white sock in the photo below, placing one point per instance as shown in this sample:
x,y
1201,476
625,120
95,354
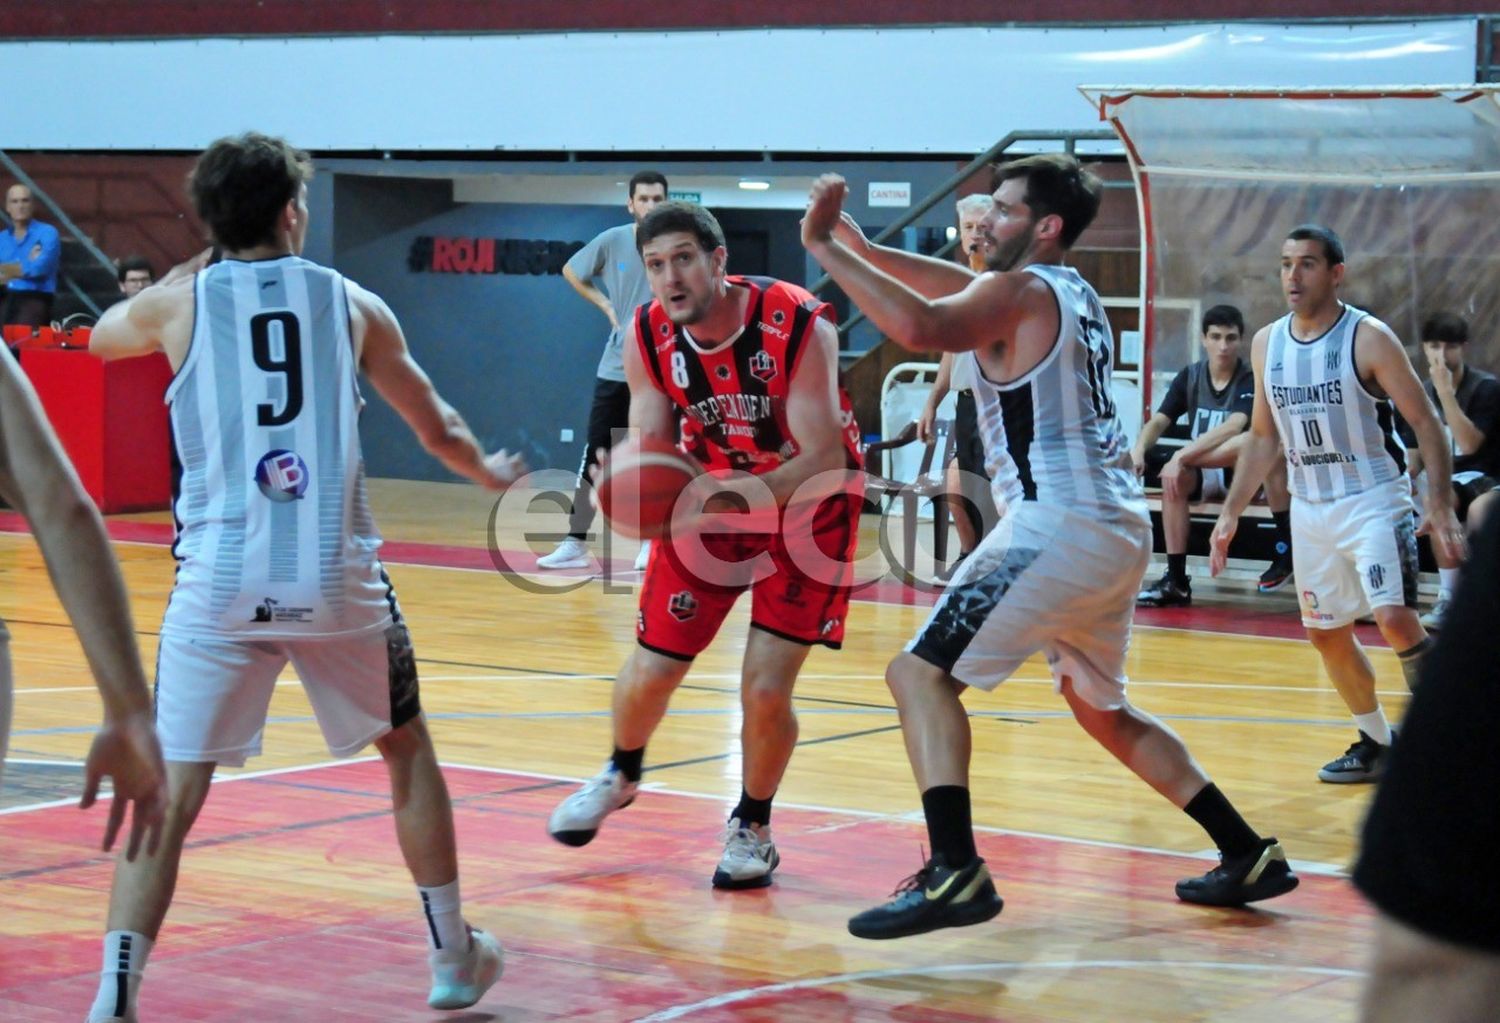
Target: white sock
x,y
125,955
1375,725
446,930
1447,580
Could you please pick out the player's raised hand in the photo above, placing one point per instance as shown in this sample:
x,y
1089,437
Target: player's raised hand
x,y
128,752
824,206
848,231
504,469
1218,542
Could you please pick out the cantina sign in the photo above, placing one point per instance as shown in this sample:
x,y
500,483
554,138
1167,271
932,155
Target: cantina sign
x,y
440,255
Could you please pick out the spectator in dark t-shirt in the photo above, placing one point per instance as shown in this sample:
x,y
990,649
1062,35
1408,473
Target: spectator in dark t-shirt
x,y
1434,826
1468,403
1216,393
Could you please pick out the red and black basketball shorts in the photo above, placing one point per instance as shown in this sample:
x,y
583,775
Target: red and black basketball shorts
x,y
799,580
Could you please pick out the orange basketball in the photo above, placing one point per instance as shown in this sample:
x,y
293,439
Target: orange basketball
x,y
640,484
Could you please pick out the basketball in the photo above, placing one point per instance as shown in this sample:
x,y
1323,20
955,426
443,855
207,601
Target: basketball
x,y
640,484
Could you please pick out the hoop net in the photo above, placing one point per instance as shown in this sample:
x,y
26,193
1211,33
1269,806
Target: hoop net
x,y
1408,176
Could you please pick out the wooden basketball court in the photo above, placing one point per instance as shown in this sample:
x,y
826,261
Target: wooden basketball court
x,y
293,904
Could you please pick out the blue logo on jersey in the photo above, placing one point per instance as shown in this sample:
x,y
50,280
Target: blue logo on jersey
x,y
281,476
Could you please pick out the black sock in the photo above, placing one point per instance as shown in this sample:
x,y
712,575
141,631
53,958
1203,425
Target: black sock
x,y
1177,567
1411,661
1283,533
950,824
1222,821
753,811
628,762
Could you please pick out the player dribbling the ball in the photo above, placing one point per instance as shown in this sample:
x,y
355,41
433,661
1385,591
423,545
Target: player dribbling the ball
x,y
748,367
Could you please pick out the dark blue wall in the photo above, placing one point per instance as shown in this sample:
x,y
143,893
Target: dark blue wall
x,y
515,354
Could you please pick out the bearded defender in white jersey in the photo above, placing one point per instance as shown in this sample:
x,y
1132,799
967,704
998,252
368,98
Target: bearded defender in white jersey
x,y
277,553
1060,572
1329,375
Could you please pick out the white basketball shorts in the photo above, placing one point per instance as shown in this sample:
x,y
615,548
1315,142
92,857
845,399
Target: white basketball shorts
x,y
1047,579
212,695
1354,553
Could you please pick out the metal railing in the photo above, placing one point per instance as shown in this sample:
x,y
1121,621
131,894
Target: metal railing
x,y
61,220
1069,139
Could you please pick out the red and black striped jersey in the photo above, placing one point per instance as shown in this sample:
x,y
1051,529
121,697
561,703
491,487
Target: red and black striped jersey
x,y
732,399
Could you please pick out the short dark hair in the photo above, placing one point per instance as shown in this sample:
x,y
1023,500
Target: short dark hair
x,y
1333,247
1446,328
1223,316
646,177
672,217
133,263
1056,184
241,183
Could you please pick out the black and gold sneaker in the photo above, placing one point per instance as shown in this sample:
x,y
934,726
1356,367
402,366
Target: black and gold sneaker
x,y
934,897
1261,873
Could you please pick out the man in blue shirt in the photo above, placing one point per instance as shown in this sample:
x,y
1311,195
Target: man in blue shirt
x,y
29,254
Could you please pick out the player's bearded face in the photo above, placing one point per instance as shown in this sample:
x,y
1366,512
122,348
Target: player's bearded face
x,y
1008,227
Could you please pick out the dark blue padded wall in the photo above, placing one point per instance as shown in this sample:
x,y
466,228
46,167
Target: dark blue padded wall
x,y
514,352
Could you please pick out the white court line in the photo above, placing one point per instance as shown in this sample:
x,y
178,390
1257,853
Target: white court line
x,y
869,816
217,780
746,994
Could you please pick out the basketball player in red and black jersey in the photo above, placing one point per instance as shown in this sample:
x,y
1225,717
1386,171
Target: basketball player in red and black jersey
x,y
748,367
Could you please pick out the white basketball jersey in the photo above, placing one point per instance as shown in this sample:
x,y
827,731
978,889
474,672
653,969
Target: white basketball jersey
x,y
1053,435
274,534
1339,438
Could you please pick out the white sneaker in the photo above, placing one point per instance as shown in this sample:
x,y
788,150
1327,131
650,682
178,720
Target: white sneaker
x,y
749,857
571,553
576,820
1432,621
460,981
643,556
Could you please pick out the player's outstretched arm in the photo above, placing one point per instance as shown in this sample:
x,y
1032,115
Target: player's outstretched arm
x,y
1260,452
1380,353
37,479
925,275
990,306
135,326
385,359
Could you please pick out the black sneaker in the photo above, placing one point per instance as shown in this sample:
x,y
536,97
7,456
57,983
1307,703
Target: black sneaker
x,y
1261,873
1361,762
1278,575
934,897
1166,592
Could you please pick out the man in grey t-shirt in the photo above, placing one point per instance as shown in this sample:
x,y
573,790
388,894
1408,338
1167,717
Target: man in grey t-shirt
x,y
610,259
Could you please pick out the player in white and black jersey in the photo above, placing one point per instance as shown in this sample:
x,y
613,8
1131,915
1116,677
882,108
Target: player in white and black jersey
x,y
277,552
1060,571
1329,375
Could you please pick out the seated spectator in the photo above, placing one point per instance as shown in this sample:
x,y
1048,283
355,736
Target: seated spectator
x,y
1218,391
135,275
1425,858
1468,403
29,254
